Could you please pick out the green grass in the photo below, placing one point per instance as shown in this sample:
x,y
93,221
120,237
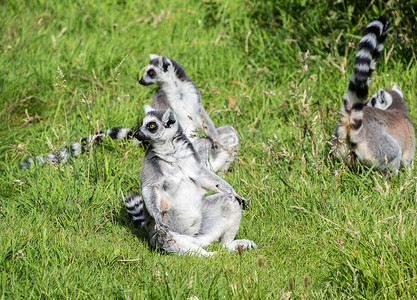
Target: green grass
x,y
64,230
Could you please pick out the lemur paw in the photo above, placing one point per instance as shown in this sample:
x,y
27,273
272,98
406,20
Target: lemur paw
x,y
243,244
242,201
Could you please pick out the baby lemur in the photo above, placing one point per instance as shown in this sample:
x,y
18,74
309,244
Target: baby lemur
x,y
379,133
178,214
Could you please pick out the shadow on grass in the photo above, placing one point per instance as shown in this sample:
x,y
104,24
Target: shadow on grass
x,y
135,228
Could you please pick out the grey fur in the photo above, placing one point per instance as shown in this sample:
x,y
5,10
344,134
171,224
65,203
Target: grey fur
x,y
178,216
388,99
177,91
379,133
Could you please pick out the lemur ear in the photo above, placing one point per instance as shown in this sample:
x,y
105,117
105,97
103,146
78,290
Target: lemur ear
x,y
166,62
148,108
153,56
381,94
398,90
168,118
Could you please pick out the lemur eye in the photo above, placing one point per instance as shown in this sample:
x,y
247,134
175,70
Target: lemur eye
x,y
151,73
373,101
152,127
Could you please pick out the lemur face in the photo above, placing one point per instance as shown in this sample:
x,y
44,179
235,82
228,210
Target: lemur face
x,y
157,125
383,98
150,76
157,71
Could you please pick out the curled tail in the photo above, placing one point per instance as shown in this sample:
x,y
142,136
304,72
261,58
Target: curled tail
x,y
76,149
135,207
370,48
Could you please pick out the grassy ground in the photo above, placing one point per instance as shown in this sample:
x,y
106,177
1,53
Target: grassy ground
x,y
323,231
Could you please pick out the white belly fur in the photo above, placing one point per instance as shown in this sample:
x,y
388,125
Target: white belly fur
x,y
184,199
186,104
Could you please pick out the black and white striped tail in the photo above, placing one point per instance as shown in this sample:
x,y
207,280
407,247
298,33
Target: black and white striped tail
x,y
370,49
135,207
76,149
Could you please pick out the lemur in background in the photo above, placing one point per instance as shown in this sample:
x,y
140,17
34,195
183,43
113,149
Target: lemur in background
x,y
217,148
388,99
378,133
178,215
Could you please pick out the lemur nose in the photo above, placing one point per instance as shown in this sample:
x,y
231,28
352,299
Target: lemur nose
x,y
143,82
140,136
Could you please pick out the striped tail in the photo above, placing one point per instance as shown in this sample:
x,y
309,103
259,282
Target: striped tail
x,y
370,49
135,207
76,149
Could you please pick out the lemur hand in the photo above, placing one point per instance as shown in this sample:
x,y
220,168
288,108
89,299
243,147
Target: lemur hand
x,y
242,201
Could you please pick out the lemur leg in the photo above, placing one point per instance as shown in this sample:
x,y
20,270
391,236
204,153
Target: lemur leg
x,y
176,243
161,236
225,148
203,148
391,153
385,153
221,221
218,155
408,154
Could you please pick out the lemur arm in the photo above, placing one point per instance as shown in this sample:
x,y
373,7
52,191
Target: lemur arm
x,y
152,198
210,181
208,126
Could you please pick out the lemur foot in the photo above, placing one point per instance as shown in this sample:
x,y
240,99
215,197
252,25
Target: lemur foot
x,y
245,244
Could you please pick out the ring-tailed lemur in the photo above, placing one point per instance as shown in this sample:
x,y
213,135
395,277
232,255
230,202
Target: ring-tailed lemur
x,y
379,133
178,215
76,149
177,91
